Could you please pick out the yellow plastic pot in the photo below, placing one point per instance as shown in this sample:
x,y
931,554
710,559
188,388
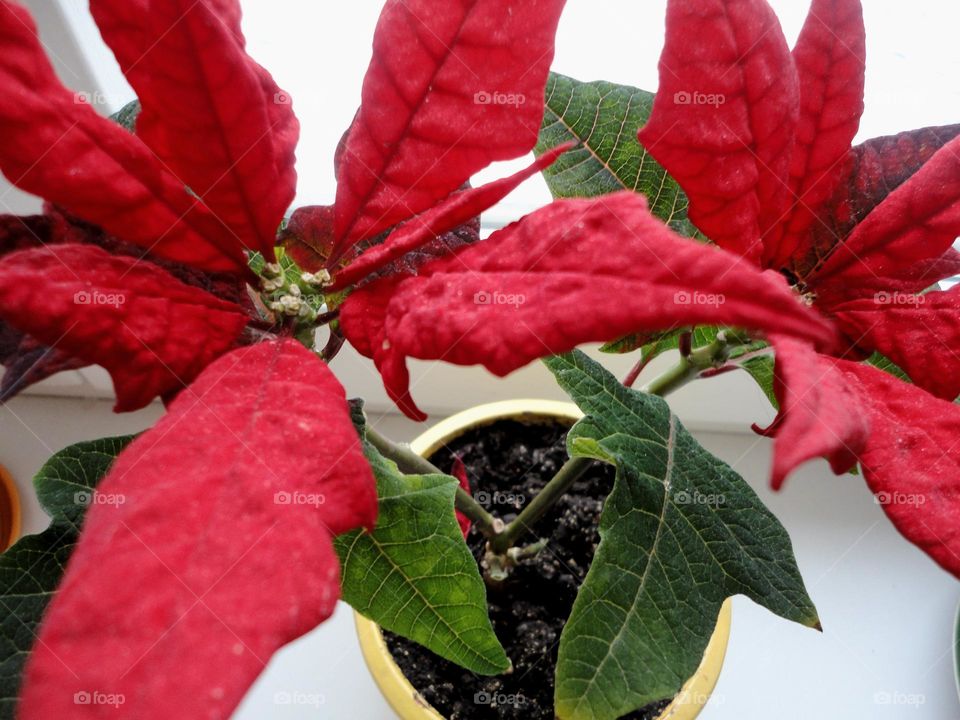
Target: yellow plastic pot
x,y
401,695
9,510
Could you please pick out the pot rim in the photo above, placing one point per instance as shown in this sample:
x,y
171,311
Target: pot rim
x,y
399,692
9,509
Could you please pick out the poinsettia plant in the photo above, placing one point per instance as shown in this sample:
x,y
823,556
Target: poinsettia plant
x,y
741,227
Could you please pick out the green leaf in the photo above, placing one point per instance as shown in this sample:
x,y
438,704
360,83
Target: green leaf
x,y
761,369
605,118
882,362
31,570
415,576
680,532
127,116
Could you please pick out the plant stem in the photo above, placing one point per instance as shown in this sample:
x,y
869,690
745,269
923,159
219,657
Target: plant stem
x,y
687,369
566,476
411,463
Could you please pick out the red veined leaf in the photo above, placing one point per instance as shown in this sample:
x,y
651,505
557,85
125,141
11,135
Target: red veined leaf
x,y
209,547
205,111
28,361
440,246
308,239
230,14
285,128
821,411
725,116
456,210
922,275
308,236
918,221
459,471
153,333
342,148
452,87
920,333
575,271
871,172
912,462
830,57
56,146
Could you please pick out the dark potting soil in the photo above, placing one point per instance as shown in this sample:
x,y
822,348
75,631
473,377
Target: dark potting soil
x,y
508,463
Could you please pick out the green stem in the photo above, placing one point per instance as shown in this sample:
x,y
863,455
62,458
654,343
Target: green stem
x,y
412,464
566,476
687,369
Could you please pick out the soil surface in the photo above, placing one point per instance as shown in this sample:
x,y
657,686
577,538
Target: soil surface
x,y
508,463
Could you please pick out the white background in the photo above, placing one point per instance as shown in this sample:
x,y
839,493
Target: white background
x,y
887,611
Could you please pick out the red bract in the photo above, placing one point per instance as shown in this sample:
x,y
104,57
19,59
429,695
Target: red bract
x,y
911,462
524,293
459,471
829,57
60,149
447,92
233,160
151,331
863,232
207,176
562,262
821,415
452,212
217,550
739,99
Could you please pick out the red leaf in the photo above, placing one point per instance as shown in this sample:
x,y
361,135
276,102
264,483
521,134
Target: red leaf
x,y
456,210
459,471
308,237
821,415
285,128
912,462
724,119
576,271
153,333
56,146
205,109
830,58
449,90
920,333
217,551
889,168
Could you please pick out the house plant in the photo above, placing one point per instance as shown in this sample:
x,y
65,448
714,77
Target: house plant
x,y
403,697
156,257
